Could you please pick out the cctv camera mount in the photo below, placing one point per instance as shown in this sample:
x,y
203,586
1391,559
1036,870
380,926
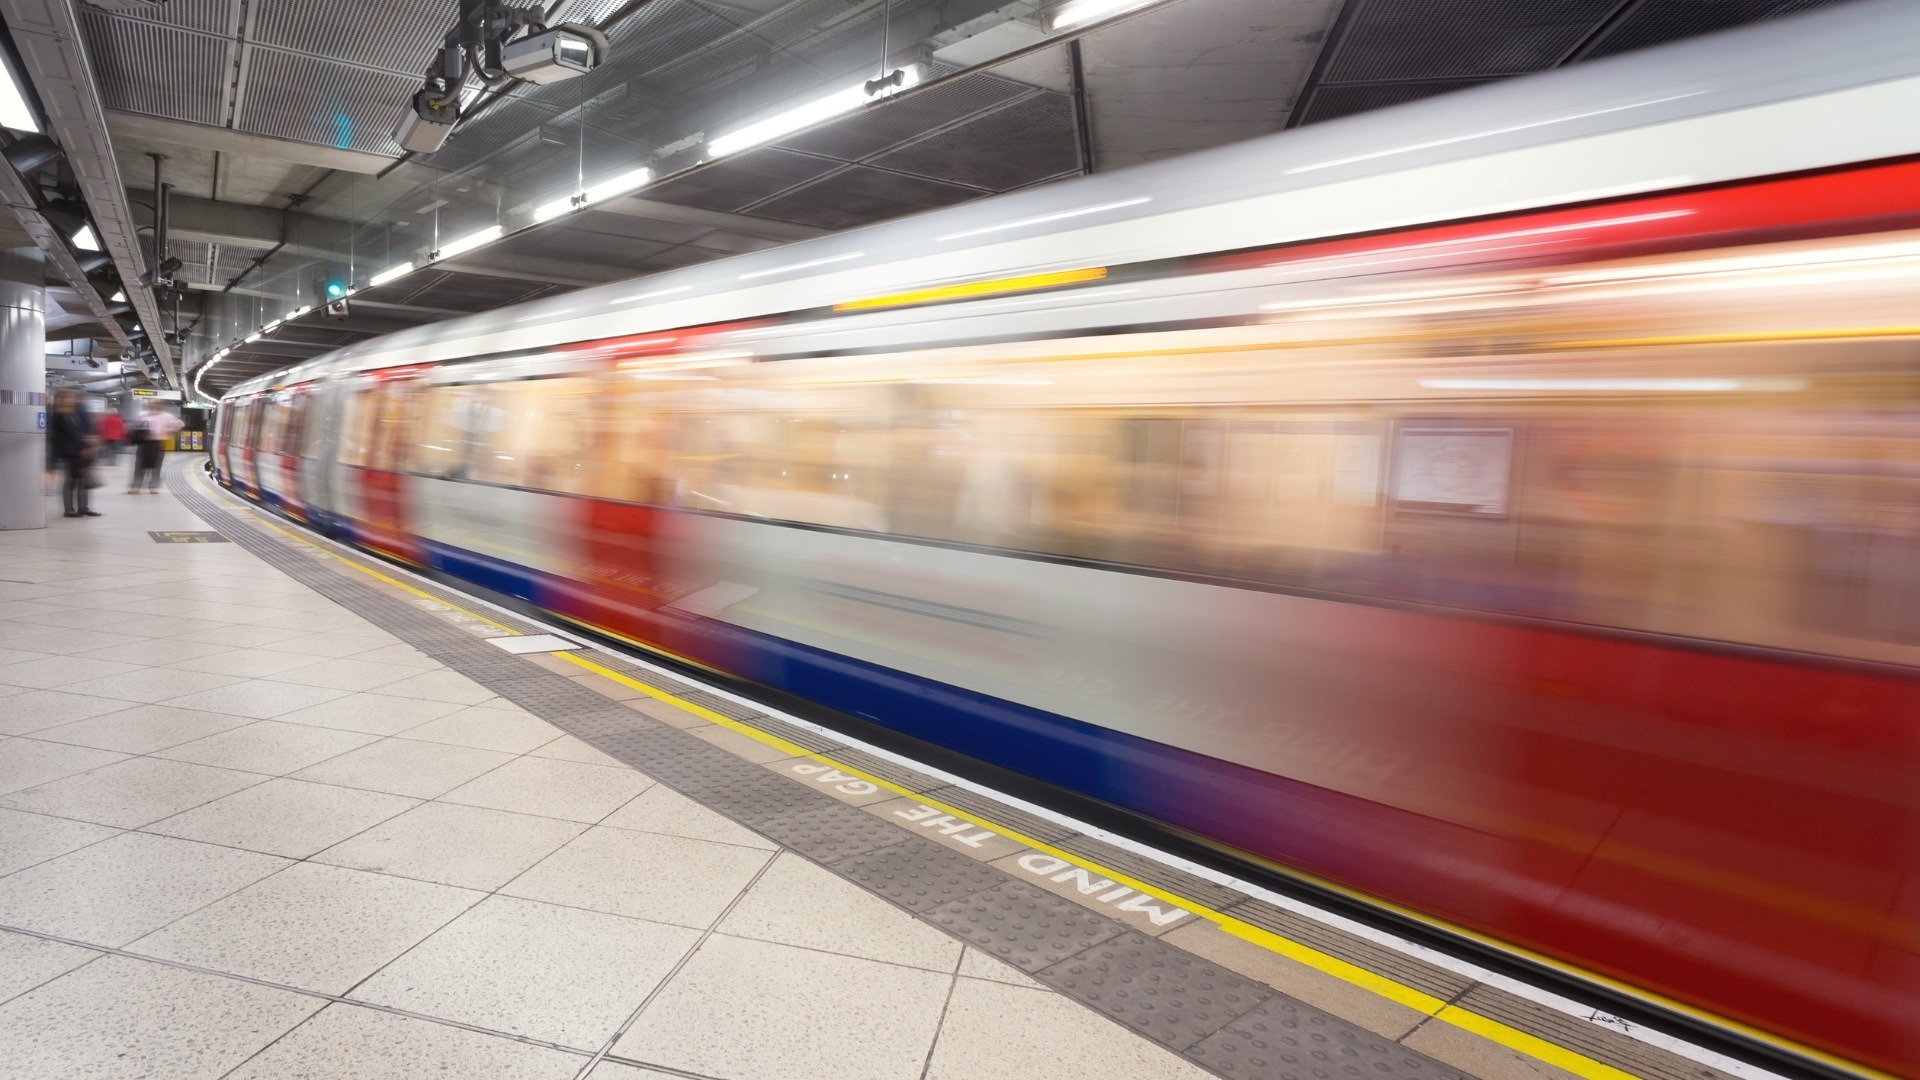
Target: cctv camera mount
x,y
488,40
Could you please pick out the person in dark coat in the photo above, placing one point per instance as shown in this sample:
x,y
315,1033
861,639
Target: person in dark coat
x,y
71,441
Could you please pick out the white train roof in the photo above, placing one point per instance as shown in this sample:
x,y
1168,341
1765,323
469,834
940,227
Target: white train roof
x,y
1824,88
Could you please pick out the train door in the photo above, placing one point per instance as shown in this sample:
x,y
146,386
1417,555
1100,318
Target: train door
x,y
320,457
247,432
272,423
222,442
293,498
385,409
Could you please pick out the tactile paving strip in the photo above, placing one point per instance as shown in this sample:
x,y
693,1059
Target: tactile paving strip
x,y
1428,978
1024,926
833,831
1282,1039
920,875
1165,993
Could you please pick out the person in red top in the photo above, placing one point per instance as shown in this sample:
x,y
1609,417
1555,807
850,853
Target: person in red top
x,y
112,431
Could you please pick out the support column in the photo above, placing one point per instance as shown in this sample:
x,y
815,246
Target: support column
x,y
23,389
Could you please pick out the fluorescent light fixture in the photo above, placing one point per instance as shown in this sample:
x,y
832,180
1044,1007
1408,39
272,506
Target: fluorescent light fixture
x,y
119,297
86,239
14,112
272,326
810,264
1619,386
391,273
655,294
255,336
549,211
468,242
804,116
297,312
1043,218
1086,11
619,185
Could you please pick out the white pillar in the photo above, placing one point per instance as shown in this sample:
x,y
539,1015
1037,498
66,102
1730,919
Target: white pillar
x,y
23,389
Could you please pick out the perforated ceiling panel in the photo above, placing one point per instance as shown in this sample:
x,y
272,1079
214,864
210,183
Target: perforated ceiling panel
x,y
1441,39
858,195
1024,141
291,96
1669,20
147,67
742,180
1385,52
392,35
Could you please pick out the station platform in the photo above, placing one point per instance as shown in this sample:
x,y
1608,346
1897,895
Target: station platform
x,y
272,808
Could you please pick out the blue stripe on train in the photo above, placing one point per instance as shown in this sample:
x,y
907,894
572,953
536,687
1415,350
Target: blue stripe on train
x,y
1059,750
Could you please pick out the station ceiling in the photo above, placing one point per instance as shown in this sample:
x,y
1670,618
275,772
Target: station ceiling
x,y
275,119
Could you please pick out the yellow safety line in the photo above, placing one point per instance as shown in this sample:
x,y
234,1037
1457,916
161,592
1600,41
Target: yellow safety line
x,y
1373,982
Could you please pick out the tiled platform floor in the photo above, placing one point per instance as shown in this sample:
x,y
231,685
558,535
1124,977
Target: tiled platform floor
x,y
246,833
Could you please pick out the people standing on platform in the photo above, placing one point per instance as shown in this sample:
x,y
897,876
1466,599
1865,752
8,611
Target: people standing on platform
x,y
112,431
149,435
71,442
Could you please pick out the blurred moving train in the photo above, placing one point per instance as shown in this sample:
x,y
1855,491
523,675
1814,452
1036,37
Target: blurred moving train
x,y
1505,506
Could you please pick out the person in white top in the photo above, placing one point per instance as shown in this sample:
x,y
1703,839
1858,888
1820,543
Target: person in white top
x,y
149,433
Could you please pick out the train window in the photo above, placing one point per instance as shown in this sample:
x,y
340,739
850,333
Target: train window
x,y
494,455
554,416
394,402
446,417
356,426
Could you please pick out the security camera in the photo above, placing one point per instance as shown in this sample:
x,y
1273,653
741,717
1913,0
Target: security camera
x,y
424,127
552,55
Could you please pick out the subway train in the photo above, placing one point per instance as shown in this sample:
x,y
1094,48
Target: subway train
x,y
1503,507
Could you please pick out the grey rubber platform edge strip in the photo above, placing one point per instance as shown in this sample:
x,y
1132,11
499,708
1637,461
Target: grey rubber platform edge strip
x,y
1212,1017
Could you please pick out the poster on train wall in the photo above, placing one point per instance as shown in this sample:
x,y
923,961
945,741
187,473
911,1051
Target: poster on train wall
x,y
1454,470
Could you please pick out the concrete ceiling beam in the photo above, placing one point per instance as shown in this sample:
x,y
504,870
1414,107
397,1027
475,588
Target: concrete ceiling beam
x,y
228,141
52,48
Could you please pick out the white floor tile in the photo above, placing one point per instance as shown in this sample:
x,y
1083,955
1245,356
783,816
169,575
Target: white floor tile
x,y
791,1014
320,928
241,637
36,710
158,652
560,789
292,818
256,698
977,1039
26,962
798,903
269,746
50,672
467,846
119,889
327,645
347,674
420,770
26,839
30,762
120,1019
150,684
643,875
511,731
660,809
63,642
375,714
131,793
399,654
441,685
367,1044
142,729
248,663
553,973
